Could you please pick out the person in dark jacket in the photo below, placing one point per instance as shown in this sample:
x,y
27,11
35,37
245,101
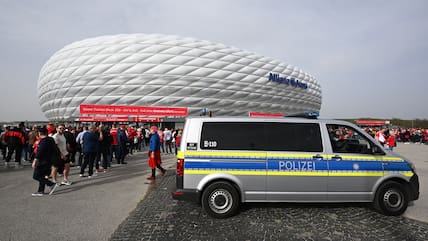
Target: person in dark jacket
x,y
122,139
15,142
104,143
3,145
42,163
70,138
90,148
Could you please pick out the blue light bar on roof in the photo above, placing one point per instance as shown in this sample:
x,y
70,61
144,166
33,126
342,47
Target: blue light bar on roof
x,y
306,114
313,114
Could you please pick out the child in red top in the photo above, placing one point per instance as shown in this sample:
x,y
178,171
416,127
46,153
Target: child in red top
x,y
161,136
391,141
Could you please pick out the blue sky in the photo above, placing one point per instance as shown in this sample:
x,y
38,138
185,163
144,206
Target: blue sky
x,y
370,57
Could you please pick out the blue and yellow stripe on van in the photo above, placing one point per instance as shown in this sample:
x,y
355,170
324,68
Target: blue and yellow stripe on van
x,y
261,154
262,163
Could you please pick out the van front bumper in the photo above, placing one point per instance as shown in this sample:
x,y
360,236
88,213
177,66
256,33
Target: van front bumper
x,y
414,188
187,195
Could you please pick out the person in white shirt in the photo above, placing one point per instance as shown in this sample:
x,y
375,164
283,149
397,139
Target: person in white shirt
x,y
62,146
380,136
79,141
168,138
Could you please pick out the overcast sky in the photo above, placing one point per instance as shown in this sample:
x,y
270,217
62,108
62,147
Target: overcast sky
x,y
370,57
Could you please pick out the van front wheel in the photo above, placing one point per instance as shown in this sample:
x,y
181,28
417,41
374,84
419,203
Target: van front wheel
x,y
391,199
220,200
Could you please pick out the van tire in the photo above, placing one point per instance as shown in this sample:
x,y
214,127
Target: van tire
x,y
220,200
391,199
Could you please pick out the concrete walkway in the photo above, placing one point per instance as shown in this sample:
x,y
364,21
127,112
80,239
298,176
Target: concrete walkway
x,y
90,209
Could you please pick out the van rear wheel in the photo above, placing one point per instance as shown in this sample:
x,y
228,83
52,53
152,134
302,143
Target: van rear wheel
x,y
391,199
220,200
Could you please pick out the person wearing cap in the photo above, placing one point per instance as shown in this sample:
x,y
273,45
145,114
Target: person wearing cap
x,y
45,151
154,154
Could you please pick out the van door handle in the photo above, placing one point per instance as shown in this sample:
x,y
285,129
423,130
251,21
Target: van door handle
x,y
337,158
318,156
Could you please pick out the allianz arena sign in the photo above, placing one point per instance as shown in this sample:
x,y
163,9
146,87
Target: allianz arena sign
x,y
154,70
285,80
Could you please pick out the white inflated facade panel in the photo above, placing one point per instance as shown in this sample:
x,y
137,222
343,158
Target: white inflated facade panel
x,y
172,71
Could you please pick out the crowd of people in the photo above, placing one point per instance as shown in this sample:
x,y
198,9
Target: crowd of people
x,y
53,150
387,137
390,136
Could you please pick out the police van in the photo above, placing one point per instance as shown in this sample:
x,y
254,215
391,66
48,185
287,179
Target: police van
x,y
223,162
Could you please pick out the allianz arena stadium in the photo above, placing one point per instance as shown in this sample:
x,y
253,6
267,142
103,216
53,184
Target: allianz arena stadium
x,y
171,71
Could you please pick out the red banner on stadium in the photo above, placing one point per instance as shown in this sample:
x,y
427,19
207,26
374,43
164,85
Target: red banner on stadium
x,y
259,114
103,119
372,122
118,119
132,110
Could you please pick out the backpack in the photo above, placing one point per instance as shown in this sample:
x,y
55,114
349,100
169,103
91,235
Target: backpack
x,y
56,153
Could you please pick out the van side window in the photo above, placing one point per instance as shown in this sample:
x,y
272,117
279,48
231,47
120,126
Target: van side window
x,y
345,139
232,136
305,137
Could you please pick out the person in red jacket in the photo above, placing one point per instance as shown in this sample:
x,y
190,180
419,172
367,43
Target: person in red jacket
x,y
114,147
178,141
391,141
161,138
36,145
15,142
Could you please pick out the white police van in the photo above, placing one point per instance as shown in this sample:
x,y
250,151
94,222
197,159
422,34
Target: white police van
x,y
223,162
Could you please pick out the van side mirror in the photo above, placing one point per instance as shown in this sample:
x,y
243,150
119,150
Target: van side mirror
x,y
377,150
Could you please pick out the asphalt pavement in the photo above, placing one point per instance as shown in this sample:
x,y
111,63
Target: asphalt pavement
x,y
418,154
123,205
89,209
159,217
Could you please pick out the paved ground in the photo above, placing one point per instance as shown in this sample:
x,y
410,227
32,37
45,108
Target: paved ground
x,y
90,209
93,209
418,154
159,217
